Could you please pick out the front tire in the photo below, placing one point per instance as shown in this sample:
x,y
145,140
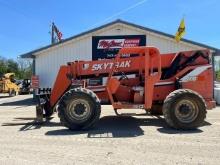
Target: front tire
x,y
79,109
184,109
48,111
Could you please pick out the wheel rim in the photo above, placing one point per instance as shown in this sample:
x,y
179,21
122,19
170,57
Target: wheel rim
x,y
186,111
79,110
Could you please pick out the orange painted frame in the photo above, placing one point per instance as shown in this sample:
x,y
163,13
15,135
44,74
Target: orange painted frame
x,y
152,58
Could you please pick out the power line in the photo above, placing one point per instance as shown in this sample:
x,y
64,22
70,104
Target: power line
x,y
119,13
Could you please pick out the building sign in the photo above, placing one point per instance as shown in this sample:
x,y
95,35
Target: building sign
x,y
35,82
108,46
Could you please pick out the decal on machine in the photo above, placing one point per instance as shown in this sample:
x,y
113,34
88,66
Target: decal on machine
x,y
192,76
109,65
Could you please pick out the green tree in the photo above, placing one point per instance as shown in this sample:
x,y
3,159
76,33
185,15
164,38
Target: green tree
x,y
217,73
21,67
25,68
12,66
3,66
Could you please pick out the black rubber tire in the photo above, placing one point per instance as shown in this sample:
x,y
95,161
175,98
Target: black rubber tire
x,y
169,111
90,98
48,111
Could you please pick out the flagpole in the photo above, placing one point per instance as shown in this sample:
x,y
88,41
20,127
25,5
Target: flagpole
x,y
184,16
52,33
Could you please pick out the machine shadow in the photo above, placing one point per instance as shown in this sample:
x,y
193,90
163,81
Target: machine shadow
x,y
2,97
31,123
25,102
118,127
108,127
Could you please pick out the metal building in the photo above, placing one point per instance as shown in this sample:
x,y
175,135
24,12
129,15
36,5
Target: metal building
x,y
93,43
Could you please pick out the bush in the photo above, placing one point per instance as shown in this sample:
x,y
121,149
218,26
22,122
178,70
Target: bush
x,y
217,73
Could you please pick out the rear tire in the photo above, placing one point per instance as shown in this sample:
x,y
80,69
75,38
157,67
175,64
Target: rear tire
x,y
184,109
79,109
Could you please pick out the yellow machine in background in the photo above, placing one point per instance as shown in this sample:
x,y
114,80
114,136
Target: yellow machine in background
x,y
8,85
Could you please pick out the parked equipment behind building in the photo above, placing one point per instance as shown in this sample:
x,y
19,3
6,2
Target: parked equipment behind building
x,y
8,84
178,84
25,87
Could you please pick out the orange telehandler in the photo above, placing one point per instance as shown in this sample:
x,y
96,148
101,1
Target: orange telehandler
x,y
178,84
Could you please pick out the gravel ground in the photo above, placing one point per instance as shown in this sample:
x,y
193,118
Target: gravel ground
x,y
116,140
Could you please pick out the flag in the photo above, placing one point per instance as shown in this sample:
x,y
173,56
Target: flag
x,y
58,33
181,31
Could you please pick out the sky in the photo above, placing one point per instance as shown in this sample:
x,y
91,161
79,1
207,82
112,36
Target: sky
x,y
25,24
